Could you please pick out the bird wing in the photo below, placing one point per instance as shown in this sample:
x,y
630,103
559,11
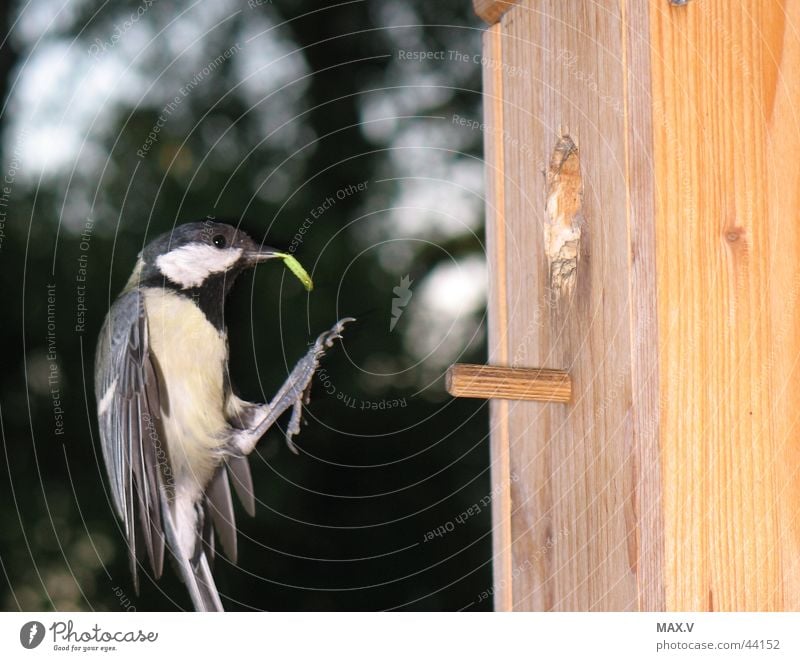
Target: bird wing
x,y
129,411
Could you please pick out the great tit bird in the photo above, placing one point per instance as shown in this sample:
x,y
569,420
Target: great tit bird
x,y
173,432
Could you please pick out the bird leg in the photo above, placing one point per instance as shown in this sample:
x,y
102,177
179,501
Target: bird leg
x,y
292,394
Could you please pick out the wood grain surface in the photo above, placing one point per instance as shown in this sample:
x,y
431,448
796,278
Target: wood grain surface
x,y
575,476
726,109
672,479
497,313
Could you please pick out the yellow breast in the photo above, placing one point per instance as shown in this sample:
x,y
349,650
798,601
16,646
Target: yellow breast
x,y
192,357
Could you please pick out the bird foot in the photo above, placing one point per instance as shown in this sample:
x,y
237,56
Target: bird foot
x,y
294,392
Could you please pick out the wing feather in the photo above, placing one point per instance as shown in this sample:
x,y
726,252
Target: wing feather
x,y
129,410
220,506
239,473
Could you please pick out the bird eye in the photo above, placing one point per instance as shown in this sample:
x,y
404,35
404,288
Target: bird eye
x,y
219,241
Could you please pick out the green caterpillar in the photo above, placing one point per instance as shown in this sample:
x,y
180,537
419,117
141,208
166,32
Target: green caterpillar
x,y
294,266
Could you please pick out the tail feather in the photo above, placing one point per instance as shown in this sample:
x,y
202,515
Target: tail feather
x,y
195,572
206,586
199,582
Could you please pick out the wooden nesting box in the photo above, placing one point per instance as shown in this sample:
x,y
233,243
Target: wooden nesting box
x,y
643,225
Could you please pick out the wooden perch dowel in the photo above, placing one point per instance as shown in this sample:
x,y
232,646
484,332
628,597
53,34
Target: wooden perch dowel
x,y
490,382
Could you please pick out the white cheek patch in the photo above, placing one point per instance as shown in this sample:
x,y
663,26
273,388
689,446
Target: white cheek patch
x,y
189,266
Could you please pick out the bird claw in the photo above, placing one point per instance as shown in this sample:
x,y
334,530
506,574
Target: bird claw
x,y
326,339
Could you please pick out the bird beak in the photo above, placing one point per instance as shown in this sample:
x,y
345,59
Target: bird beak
x,y
254,255
257,255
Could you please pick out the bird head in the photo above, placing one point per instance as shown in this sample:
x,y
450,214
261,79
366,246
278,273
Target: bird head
x,y
195,255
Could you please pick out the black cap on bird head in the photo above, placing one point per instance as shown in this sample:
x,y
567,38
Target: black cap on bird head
x,y
197,255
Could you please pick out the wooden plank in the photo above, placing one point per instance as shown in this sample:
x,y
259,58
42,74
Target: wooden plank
x,y
647,546
575,507
517,383
492,11
497,316
726,135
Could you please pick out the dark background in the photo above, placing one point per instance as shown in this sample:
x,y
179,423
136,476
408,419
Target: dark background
x,y
314,99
